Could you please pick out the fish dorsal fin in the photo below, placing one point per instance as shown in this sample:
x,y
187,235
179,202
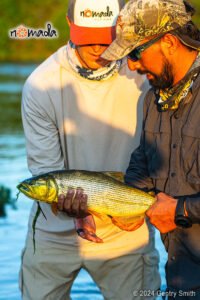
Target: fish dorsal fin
x,y
128,223
116,175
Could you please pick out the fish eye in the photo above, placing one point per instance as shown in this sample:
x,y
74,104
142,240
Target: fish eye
x,y
25,188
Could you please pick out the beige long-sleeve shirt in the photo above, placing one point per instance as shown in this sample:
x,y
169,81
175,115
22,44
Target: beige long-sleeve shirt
x,y
75,123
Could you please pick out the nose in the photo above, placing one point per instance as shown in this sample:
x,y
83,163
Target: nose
x,y
96,48
133,65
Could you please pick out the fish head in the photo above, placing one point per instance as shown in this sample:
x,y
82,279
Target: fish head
x,y
42,188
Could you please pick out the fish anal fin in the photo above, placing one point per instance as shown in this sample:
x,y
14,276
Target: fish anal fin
x,y
128,223
116,175
54,208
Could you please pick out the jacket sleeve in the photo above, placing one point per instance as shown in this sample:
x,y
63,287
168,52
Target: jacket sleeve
x,y
41,133
137,172
193,208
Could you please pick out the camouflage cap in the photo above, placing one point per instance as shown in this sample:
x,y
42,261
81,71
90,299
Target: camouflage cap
x,y
140,19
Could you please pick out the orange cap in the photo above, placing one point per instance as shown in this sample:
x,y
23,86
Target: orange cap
x,y
93,22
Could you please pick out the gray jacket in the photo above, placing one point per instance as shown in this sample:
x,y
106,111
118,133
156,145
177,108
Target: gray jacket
x,y
168,160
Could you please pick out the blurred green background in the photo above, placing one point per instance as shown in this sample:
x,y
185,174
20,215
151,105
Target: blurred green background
x,y
18,58
36,14
196,18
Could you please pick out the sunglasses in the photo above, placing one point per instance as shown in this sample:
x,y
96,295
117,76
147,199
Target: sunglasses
x,y
136,53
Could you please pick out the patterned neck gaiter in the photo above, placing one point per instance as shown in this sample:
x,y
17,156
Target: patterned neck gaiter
x,y
100,74
170,98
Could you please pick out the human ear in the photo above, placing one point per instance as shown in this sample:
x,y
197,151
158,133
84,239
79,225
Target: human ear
x,y
169,44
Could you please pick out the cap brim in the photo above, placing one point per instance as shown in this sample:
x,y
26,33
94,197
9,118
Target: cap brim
x,y
90,35
188,41
119,48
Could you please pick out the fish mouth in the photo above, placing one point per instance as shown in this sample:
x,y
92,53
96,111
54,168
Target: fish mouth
x,y
24,188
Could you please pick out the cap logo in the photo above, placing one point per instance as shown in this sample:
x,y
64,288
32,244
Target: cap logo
x,y
87,13
96,13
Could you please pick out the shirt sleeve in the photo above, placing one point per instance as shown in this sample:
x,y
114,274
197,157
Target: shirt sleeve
x,y
41,133
137,172
193,208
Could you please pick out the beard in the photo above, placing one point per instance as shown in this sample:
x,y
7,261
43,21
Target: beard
x,y
165,79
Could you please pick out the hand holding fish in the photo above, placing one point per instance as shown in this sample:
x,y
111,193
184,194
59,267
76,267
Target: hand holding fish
x,y
74,203
162,213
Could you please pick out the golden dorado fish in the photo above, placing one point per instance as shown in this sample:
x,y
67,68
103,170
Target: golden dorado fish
x,y
106,191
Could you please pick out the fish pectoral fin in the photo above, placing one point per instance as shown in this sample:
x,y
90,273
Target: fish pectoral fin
x,y
86,229
98,215
54,208
128,223
116,175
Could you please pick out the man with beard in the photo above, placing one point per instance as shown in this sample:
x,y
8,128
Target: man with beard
x,y
162,42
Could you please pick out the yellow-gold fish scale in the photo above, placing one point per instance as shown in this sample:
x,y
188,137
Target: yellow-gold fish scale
x,y
106,195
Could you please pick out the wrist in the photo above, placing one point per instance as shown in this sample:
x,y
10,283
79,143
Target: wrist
x,y
181,215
